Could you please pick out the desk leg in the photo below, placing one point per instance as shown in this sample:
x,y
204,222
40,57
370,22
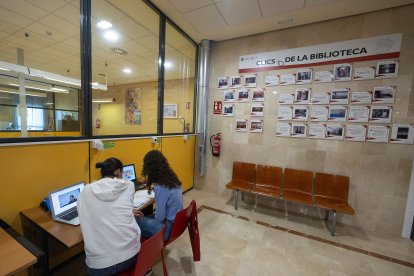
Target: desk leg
x,y
333,223
237,199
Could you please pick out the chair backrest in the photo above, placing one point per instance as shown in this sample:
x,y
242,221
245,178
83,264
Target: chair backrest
x,y
194,233
149,253
333,186
268,175
298,180
181,221
244,171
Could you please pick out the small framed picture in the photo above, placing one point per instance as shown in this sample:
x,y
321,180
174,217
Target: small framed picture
x,y
272,80
364,73
356,133
380,114
317,131
321,98
342,72
257,110
335,132
241,125
323,76
358,114
361,97
170,111
285,113
384,94
302,95
299,130
243,95
223,83
258,95
340,96
287,79
228,96
286,98
235,82
283,129
228,110
337,113
402,134
250,80
319,113
304,76
386,69
256,126
300,113
378,134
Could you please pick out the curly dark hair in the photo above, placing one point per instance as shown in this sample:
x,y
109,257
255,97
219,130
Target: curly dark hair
x,y
157,170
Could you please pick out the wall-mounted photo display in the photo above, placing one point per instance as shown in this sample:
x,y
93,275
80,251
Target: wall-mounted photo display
x,y
300,113
402,134
258,95
256,126
356,133
340,96
319,114
283,129
317,131
286,98
361,97
342,72
241,125
320,98
386,69
323,76
358,114
228,110
250,80
384,94
287,79
223,83
304,76
380,114
228,96
302,95
364,73
337,113
378,134
285,113
335,132
272,80
299,130
170,111
235,82
257,110
243,95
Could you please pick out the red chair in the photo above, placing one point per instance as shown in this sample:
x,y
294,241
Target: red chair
x,y
148,255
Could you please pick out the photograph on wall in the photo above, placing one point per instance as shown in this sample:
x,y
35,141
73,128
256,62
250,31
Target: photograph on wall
x,y
319,113
223,83
283,129
364,73
243,95
258,95
235,82
304,76
286,98
340,96
358,114
317,131
384,94
321,98
323,76
287,79
256,126
302,95
170,111
402,134
241,125
335,132
300,113
299,130
342,72
380,114
228,96
356,133
361,97
378,134
257,110
250,80
133,106
228,110
272,80
386,69
337,113
284,113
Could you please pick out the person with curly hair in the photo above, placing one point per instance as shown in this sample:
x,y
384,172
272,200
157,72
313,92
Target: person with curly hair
x,y
168,195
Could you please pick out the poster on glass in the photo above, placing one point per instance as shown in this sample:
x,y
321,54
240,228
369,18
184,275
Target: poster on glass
x,y
257,110
384,94
335,132
286,98
223,83
243,96
300,113
361,97
283,129
258,95
364,73
272,80
380,114
302,95
170,111
337,113
317,131
378,134
228,96
287,79
285,113
304,76
228,110
386,69
358,114
340,96
319,114
250,80
356,133
320,98
299,130
402,134
241,125
323,76
235,82
342,72
256,126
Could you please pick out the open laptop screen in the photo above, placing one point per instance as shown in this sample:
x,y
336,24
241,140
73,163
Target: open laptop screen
x,y
65,199
128,172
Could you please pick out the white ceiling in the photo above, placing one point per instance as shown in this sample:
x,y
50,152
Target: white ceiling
x,y
225,19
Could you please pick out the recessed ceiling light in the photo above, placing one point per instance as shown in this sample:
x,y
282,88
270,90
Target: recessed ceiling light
x,y
127,71
103,25
111,35
168,64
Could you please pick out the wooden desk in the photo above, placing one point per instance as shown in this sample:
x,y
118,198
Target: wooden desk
x,y
13,256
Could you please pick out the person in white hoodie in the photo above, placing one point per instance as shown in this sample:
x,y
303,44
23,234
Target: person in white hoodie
x,y
110,232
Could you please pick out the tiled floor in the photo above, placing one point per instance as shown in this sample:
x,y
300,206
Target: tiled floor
x,y
265,241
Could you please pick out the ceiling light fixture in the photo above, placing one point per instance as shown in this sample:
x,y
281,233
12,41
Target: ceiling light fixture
x,y
168,64
111,35
127,71
103,25
106,100
28,94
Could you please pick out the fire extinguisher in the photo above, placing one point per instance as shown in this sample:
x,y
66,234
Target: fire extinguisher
x,y
215,143
98,123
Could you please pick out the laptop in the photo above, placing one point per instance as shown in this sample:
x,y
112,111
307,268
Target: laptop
x,y
128,173
63,203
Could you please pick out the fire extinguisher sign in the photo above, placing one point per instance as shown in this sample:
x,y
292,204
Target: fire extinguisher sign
x,y
218,107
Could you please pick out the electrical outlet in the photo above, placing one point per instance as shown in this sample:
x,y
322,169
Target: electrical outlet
x,y
155,140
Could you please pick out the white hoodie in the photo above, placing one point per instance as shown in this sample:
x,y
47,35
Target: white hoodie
x,y
109,229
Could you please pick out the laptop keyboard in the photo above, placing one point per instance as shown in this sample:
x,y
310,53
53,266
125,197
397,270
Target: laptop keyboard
x,y
70,216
